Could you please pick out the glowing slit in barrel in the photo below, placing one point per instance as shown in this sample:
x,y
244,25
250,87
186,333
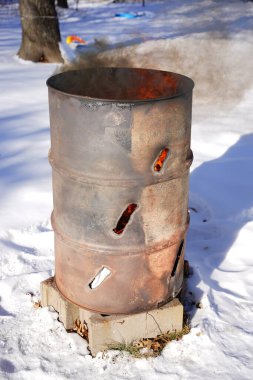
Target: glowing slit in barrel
x,y
124,219
159,162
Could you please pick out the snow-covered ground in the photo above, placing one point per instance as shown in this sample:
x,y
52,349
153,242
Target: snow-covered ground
x,y
210,41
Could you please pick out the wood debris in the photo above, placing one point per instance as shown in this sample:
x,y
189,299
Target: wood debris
x,y
151,346
37,304
81,328
34,300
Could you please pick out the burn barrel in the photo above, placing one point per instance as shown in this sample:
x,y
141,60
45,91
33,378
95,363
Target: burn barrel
x,y
120,153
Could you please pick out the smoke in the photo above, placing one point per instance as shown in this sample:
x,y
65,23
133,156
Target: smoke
x,y
221,67
102,55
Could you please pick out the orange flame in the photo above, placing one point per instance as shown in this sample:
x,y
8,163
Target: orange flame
x,y
124,219
160,160
153,87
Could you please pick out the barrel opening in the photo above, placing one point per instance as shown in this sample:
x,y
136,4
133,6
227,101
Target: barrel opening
x,y
125,218
161,160
121,84
179,252
99,278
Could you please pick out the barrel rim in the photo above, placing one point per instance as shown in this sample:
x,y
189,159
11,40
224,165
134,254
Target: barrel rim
x,y
188,81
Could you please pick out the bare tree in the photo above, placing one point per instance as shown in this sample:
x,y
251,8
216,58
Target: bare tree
x,y
40,31
62,3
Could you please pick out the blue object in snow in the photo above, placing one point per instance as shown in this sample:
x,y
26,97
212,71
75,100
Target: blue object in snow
x,y
129,15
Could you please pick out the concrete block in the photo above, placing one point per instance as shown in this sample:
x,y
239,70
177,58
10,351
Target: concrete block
x,y
105,331
50,296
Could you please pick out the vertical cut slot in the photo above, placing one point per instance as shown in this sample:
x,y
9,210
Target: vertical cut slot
x,y
179,252
100,277
124,219
159,162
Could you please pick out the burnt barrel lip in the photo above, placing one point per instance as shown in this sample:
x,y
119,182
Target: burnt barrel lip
x,y
57,83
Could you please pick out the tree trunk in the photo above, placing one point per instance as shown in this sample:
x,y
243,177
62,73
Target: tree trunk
x,y
40,31
62,3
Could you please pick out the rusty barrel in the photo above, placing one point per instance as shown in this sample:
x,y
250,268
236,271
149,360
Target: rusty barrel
x,y
120,153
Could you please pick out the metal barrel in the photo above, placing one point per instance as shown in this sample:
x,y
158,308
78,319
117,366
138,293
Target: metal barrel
x,y
120,153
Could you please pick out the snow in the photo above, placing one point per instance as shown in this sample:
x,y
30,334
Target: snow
x,y
210,41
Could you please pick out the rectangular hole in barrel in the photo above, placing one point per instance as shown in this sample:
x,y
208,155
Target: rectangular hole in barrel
x,y
124,219
99,278
179,252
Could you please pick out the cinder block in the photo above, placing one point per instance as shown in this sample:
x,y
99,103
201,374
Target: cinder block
x,y
50,296
104,331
